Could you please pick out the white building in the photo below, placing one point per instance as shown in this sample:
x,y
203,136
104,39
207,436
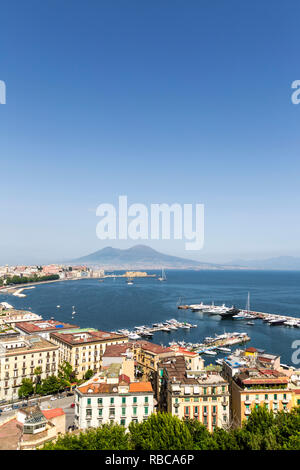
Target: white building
x,y
116,400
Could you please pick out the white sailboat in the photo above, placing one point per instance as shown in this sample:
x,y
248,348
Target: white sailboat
x,y
163,276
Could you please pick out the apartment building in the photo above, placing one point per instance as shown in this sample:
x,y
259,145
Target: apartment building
x,y
19,357
84,348
197,395
254,387
42,327
112,399
12,316
256,379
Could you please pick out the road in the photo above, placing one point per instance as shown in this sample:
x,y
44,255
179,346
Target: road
x,y
64,403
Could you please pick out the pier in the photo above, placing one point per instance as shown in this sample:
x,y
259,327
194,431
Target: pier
x,y
270,318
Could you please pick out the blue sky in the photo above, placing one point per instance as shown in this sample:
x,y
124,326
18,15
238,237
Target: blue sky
x,y
164,101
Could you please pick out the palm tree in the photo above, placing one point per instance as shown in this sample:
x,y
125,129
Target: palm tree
x,y
37,373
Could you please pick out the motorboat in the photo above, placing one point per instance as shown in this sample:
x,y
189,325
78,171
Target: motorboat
x,y
209,352
223,349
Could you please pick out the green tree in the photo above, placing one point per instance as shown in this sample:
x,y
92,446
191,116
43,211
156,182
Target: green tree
x,y
89,374
161,431
37,372
26,389
66,374
51,385
106,437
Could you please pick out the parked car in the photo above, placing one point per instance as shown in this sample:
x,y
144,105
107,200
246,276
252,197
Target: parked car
x,y
7,408
53,398
70,394
72,405
15,407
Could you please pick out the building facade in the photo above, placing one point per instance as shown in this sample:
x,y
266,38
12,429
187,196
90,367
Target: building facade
x,y
84,348
18,359
115,400
185,394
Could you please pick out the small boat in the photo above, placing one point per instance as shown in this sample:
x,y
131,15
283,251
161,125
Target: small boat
x,y
163,276
250,323
223,349
209,353
129,283
134,336
57,306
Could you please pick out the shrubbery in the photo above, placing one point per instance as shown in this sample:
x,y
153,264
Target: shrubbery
x,y
263,431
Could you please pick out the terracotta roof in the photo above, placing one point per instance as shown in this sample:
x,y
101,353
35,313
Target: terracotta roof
x,y
97,388
86,337
43,325
154,348
50,414
116,350
140,387
251,349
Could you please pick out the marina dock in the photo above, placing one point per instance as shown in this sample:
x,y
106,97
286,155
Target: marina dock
x,y
243,314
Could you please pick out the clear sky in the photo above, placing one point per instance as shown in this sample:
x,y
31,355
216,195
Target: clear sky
x,y
161,100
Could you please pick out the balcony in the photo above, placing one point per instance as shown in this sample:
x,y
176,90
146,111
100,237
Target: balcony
x,y
247,412
247,402
88,417
285,400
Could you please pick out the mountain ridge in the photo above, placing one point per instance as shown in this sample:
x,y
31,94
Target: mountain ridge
x,y
138,255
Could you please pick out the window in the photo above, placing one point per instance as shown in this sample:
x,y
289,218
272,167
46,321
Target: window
x,y
187,410
100,411
123,411
123,422
100,401
213,390
146,410
88,412
284,396
123,400
196,399
275,396
205,390
146,399
134,410
134,399
266,396
112,400
247,397
89,401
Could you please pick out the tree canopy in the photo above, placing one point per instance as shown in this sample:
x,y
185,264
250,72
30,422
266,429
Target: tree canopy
x,y
264,430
